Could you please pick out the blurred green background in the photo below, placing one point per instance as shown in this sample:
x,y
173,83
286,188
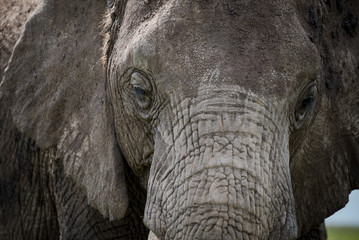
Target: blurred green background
x,y
343,233
344,224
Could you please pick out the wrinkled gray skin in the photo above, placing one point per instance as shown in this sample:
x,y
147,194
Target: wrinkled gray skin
x,y
240,119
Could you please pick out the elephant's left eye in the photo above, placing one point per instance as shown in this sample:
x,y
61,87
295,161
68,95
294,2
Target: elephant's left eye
x,y
141,90
306,105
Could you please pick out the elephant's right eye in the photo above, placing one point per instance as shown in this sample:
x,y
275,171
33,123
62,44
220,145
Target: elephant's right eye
x,y
141,91
142,97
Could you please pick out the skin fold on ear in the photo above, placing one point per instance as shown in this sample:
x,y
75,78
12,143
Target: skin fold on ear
x,y
55,88
325,168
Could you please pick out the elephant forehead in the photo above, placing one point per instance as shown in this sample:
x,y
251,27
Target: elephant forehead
x,y
260,46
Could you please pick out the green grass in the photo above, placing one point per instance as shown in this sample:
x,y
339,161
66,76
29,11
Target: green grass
x,y
343,233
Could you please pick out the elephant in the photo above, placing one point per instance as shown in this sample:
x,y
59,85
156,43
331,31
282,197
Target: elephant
x,y
191,119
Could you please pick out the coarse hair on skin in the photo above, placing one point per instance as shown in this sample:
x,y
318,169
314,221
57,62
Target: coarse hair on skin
x,y
105,25
110,24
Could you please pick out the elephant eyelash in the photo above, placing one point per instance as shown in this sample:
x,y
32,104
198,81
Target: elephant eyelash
x,y
141,80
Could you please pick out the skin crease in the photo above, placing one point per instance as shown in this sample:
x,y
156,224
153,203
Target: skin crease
x,y
218,147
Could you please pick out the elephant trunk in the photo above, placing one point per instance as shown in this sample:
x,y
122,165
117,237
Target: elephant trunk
x,y
221,172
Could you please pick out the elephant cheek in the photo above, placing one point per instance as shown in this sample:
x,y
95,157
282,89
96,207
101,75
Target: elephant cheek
x,y
212,182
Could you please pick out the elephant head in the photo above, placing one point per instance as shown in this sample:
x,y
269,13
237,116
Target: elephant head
x,y
238,118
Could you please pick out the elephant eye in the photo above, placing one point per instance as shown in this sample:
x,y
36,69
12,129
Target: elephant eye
x,y
142,98
141,90
305,106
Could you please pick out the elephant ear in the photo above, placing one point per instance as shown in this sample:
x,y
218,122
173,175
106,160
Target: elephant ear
x,y
326,167
55,88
